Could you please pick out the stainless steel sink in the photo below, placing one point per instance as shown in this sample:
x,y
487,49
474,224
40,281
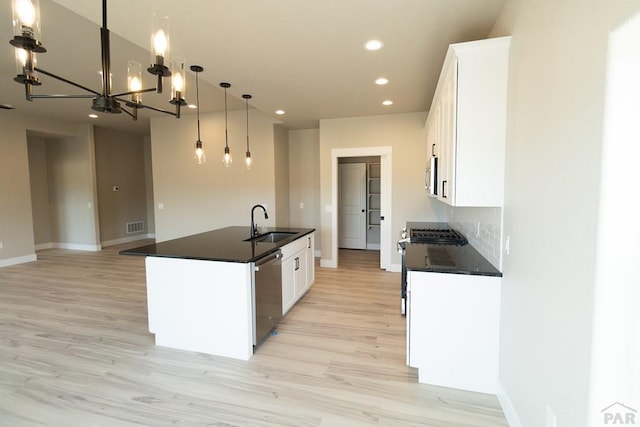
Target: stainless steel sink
x,y
273,237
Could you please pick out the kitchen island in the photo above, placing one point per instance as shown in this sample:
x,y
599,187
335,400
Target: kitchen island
x,y
200,293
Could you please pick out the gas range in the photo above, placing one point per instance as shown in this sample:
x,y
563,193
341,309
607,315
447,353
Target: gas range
x,y
436,236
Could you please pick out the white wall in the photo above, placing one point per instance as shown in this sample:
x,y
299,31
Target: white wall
x,y
553,198
39,185
405,134
281,154
199,198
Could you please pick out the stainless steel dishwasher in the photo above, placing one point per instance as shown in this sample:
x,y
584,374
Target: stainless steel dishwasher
x,y
267,295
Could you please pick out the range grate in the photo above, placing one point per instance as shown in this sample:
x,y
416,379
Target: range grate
x,y
446,236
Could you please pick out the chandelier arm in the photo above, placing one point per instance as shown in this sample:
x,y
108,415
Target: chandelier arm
x,y
133,92
133,116
140,105
56,96
69,82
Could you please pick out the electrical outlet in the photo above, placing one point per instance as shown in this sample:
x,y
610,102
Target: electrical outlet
x,y
116,188
160,206
301,205
1,245
477,228
507,243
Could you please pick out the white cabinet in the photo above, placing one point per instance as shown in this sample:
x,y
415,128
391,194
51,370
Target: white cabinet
x,y
466,126
453,329
298,270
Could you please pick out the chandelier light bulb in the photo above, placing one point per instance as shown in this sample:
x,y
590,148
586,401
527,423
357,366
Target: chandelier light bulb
x,y
135,84
26,12
178,81
21,55
160,43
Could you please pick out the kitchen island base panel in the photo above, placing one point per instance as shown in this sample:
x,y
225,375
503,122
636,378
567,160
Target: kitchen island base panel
x,y
201,306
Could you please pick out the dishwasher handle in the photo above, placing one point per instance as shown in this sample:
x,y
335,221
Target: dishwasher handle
x,y
266,260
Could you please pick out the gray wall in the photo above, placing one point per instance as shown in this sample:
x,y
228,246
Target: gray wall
x,y
304,180
39,184
199,198
570,302
281,153
120,161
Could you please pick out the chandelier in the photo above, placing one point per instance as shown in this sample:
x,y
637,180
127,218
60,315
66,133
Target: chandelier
x,y
26,40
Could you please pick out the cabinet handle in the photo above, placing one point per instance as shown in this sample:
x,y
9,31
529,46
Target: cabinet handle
x,y
444,189
308,242
433,149
297,263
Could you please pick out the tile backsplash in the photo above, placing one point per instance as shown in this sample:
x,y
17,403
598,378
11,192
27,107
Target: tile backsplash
x,y
483,228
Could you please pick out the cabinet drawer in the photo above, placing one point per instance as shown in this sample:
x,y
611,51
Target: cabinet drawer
x,y
294,247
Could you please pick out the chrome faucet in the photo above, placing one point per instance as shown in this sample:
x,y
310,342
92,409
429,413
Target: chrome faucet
x,y
254,227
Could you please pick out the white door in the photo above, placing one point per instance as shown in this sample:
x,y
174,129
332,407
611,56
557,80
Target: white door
x,y
352,205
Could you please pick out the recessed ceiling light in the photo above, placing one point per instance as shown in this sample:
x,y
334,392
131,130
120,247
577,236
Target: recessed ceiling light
x,y
93,116
279,112
192,106
382,81
373,45
387,102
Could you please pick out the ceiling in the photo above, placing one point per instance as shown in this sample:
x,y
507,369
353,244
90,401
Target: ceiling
x,y
302,56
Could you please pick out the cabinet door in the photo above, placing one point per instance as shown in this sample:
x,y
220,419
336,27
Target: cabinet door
x,y
300,272
447,125
288,284
311,261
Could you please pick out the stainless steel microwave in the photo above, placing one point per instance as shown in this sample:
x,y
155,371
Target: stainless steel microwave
x,y
431,177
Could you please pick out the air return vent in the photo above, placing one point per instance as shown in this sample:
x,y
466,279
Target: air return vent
x,y
135,227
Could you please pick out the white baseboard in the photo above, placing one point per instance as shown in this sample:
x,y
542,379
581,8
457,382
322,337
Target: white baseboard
x,y
77,247
395,268
317,254
43,246
328,263
128,239
373,246
507,407
17,260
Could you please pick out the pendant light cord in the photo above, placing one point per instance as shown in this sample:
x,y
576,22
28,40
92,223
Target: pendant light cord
x,y
198,105
226,136
246,103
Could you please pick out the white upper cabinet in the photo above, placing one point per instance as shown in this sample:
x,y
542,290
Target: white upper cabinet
x,y
466,126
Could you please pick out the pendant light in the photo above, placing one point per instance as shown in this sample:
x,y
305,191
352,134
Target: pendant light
x,y
199,156
247,159
227,154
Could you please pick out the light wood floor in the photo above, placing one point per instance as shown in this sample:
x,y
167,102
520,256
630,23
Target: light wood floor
x,y
75,351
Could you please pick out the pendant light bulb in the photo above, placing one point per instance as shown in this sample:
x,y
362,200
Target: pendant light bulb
x,y
247,160
226,160
199,156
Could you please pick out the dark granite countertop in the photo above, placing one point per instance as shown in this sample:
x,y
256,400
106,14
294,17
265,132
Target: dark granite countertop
x,y
228,244
446,258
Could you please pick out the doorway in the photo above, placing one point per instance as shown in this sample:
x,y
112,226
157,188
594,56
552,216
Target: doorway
x,y
384,211
359,203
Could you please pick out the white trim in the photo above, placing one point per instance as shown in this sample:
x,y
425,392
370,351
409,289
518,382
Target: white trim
x,y
385,201
373,246
77,247
317,253
43,246
395,268
18,260
328,263
507,407
127,239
